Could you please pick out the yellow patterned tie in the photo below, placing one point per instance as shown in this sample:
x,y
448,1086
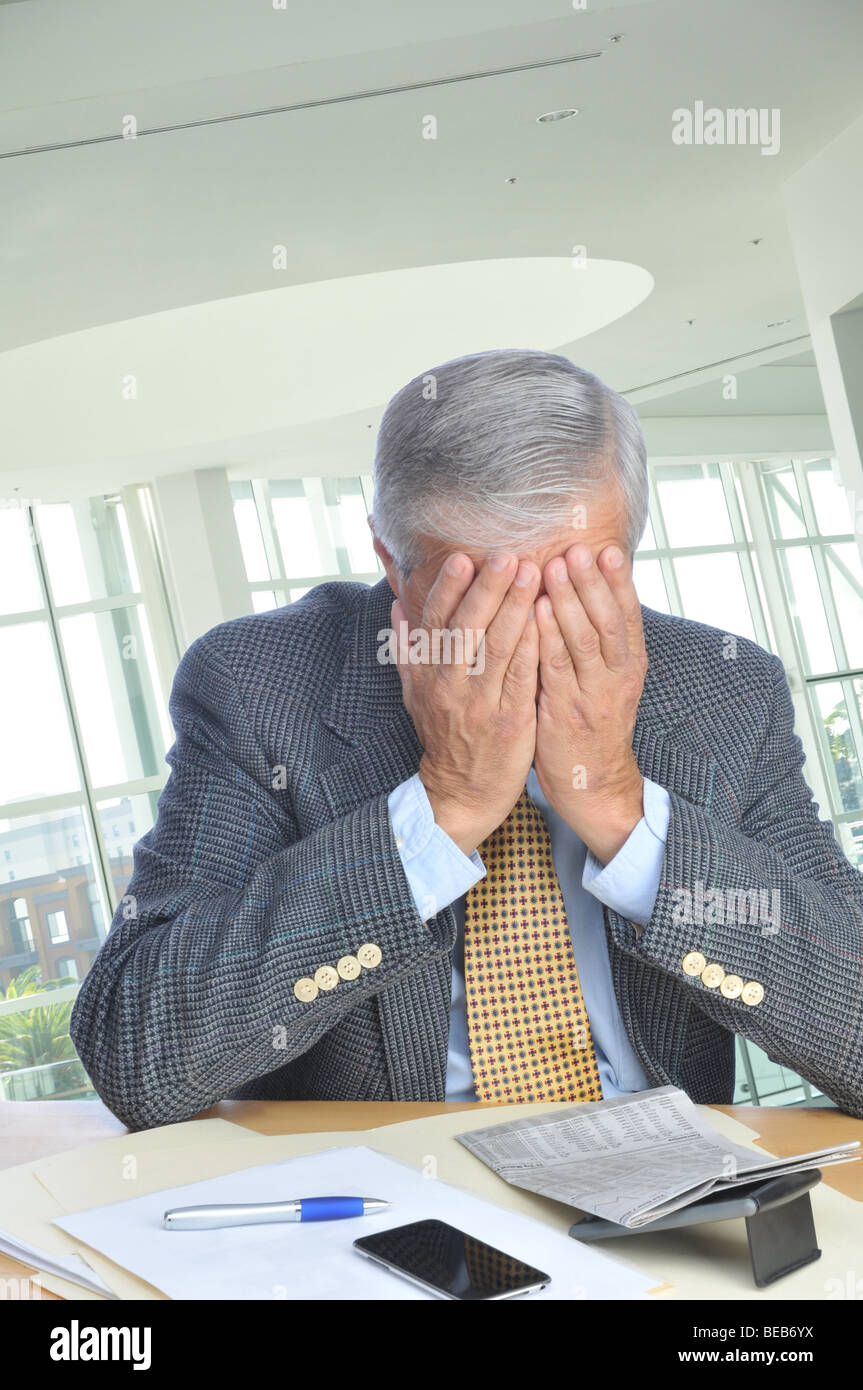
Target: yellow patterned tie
x,y
528,1029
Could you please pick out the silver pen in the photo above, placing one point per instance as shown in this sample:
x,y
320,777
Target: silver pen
x,y
256,1213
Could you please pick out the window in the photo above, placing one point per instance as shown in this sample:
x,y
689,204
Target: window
x,y
768,553
822,583
297,533
93,907
58,928
766,550
20,932
696,557
74,625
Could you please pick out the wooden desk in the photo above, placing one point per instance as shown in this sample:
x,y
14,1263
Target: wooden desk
x,y
35,1129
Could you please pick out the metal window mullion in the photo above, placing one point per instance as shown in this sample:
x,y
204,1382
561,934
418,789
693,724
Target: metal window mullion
x,y
819,560
35,806
269,530
852,707
314,493
666,564
852,671
154,593
98,605
361,576
156,550
747,568
31,615
367,489
69,801
138,786
790,542
683,552
835,803
819,765
101,863
39,1001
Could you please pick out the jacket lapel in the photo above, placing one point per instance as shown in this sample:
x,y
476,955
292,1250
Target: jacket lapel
x,y
367,712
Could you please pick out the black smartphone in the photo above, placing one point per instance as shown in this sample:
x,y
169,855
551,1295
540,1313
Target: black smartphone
x,y
450,1263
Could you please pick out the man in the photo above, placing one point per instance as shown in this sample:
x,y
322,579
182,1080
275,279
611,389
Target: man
x,y
489,828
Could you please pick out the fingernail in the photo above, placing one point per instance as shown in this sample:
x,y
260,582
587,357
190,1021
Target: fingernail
x,y
455,564
499,562
614,557
523,576
557,569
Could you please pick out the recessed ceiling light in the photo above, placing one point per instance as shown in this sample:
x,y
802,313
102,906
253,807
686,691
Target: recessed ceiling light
x,y
562,115
778,323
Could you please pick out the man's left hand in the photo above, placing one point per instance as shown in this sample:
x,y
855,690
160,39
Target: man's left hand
x,y
592,664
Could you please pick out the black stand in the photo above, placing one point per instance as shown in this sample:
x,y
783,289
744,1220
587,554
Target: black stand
x,y
779,1222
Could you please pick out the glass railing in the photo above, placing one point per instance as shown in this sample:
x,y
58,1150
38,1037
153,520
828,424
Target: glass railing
x,y
53,1081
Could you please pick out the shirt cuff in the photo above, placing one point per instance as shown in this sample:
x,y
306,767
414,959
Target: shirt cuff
x,y
629,882
436,869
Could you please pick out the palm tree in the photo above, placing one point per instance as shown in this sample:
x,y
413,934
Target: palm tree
x,y
38,1036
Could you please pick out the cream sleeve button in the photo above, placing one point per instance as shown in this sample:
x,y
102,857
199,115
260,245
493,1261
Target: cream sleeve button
x,y
712,975
694,963
752,992
349,967
369,955
731,986
400,844
326,977
306,990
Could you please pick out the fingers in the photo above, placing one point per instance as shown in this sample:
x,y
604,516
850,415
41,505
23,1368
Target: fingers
x,y
620,580
589,616
555,659
454,579
505,630
486,593
490,610
519,681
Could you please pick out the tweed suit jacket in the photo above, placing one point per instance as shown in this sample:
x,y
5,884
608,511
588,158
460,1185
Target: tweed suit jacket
x,y
273,855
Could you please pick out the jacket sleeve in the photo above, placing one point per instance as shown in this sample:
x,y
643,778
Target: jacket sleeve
x,y
192,993
774,902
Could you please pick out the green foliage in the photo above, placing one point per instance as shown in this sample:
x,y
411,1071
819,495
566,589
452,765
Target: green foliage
x,y
34,1037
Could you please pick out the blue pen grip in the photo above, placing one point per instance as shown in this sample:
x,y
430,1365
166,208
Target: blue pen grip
x,y
330,1208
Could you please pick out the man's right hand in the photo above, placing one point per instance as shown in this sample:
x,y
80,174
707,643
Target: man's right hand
x,y
477,728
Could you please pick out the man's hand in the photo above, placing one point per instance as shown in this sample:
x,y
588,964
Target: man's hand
x,y
592,663
477,729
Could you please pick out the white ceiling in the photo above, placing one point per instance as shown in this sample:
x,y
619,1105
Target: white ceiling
x,y
99,234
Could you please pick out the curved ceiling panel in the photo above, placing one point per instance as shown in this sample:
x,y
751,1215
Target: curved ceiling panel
x,y
260,363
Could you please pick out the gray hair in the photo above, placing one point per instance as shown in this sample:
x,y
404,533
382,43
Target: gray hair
x,y
489,450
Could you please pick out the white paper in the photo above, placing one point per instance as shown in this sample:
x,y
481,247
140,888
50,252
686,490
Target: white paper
x,y
70,1267
316,1260
630,1159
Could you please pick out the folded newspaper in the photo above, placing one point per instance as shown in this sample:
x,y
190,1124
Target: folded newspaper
x,y
633,1158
